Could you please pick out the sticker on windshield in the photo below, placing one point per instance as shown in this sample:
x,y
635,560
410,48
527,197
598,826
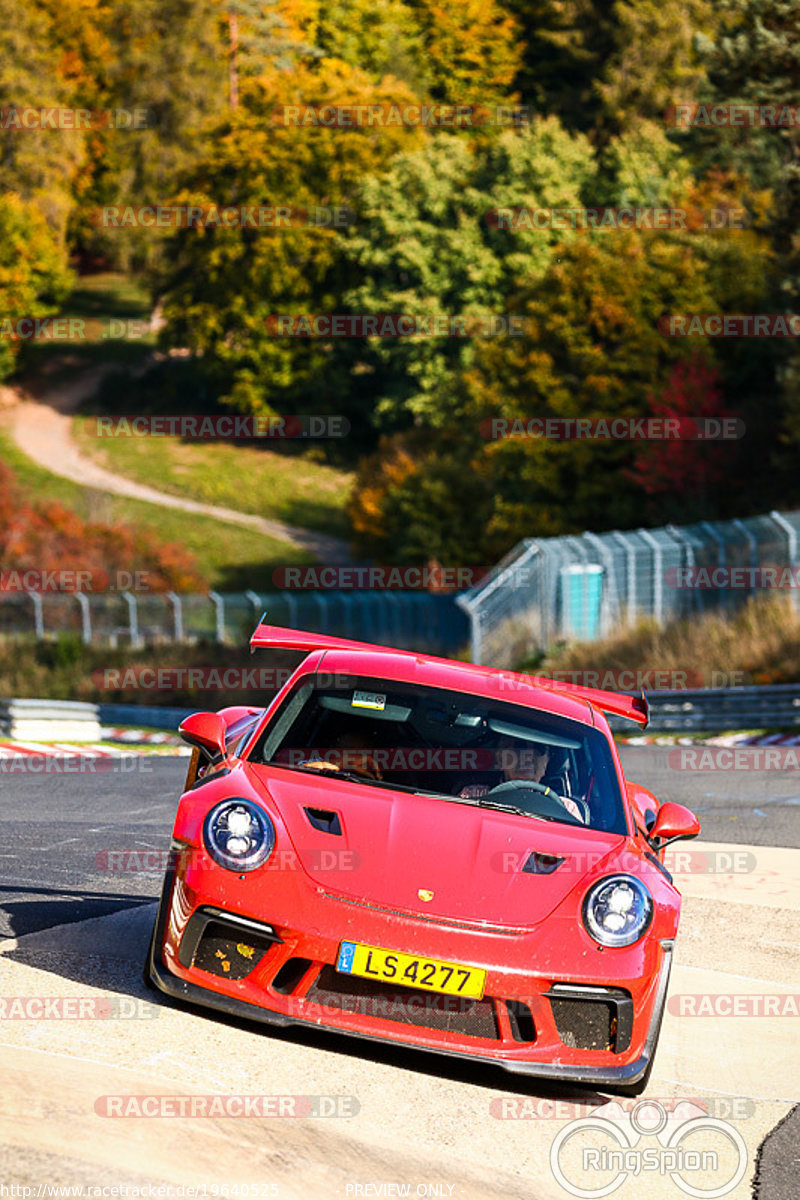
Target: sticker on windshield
x,y
369,700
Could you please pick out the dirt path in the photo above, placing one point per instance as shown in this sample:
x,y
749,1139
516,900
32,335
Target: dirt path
x,y
41,429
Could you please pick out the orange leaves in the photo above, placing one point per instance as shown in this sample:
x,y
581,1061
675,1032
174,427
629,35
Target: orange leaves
x,y
50,537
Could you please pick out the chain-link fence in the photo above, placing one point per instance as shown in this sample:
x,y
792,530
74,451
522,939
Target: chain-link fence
x,y
585,587
431,623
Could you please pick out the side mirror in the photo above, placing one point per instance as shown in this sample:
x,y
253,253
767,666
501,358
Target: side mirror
x,y
206,730
674,822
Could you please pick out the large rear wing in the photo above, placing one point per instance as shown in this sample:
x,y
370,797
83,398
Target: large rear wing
x,y
618,704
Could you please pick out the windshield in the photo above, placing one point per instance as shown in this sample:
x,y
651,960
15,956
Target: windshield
x,y
462,748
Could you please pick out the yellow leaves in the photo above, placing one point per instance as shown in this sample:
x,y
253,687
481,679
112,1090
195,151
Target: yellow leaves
x,y
377,476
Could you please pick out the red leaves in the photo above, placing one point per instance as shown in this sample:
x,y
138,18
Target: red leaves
x,y
50,537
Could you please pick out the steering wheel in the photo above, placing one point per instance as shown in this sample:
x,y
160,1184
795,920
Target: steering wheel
x,y
369,769
531,784
528,783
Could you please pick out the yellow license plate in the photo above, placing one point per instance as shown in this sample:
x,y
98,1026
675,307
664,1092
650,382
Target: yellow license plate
x,y
430,974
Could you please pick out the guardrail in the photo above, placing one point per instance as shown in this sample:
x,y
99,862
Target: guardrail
x,y
50,720
713,710
706,710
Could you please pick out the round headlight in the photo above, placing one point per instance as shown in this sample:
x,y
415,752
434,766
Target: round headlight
x,y
239,835
617,910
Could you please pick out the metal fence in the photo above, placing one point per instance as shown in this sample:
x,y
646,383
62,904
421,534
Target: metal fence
x,y
413,620
588,586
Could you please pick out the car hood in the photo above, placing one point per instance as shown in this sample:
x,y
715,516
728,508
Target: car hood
x,y
394,846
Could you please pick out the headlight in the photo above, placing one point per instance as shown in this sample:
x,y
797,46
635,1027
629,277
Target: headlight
x,y
239,835
617,910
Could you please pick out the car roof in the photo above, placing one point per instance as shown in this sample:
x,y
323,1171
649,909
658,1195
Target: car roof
x,y
587,703
464,678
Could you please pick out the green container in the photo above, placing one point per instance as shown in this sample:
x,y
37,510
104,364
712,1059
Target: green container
x,y
581,587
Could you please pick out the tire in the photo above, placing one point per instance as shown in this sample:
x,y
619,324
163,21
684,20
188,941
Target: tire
x,y
147,978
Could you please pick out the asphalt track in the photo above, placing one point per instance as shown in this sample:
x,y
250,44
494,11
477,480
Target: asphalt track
x,y
71,928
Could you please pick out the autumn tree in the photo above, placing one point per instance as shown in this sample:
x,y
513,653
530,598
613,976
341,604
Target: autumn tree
x,y
440,234
34,277
221,285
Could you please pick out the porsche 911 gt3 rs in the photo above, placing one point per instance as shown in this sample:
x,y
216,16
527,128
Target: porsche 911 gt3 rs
x,y
425,851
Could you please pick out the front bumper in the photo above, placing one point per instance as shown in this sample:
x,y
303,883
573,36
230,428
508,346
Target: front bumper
x,y
546,1056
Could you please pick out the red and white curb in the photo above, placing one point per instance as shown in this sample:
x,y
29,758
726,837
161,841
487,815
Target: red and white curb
x,y
150,737
69,750
719,739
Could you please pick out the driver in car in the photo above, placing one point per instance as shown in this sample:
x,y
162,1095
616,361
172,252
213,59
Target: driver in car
x,y
527,763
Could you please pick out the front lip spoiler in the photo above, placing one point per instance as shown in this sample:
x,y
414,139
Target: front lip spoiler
x,y
181,989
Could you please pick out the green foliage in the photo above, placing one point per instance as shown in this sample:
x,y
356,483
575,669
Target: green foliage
x,y
222,284
34,276
427,245
422,239
594,350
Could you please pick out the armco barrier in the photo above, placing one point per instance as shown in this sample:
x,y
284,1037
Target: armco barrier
x,y
711,710
49,720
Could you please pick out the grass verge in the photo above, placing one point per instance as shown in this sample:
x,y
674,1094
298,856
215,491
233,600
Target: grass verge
x,y
757,644
233,558
289,488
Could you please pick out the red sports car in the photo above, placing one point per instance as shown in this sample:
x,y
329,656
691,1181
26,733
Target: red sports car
x,y
424,851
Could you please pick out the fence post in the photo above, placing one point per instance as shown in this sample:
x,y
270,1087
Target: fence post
x,y
133,617
255,600
86,620
38,614
630,571
219,609
791,539
750,539
177,615
658,579
475,647
683,540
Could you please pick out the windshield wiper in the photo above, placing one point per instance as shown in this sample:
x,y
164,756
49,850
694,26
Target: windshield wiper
x,y
339,773
332,772
482,802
